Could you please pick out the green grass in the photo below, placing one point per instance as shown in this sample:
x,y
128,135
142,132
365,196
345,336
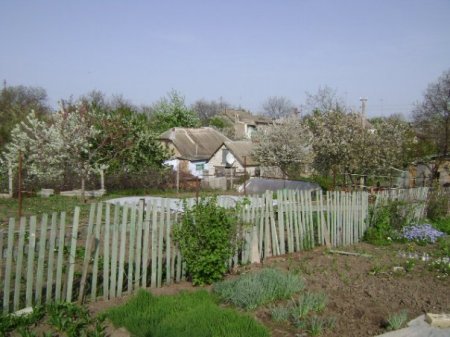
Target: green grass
x,y
255,289
183,315
397,320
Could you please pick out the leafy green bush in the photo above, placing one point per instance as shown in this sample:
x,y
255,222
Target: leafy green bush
x,y
387,220
254,289
207,238
442,224
184,315
438,204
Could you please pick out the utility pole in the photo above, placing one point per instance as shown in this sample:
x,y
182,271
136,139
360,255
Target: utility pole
x,y
363,111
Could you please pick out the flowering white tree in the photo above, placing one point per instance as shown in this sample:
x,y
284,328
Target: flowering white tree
x,y
48,149
285,144
345,144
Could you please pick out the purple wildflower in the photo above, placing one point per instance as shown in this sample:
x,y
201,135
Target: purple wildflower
x,y
424,232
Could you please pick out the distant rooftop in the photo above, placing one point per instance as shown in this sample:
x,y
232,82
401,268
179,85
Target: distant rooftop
x,y
194,143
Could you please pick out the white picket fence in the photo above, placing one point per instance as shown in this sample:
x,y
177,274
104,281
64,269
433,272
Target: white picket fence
x,y
122,248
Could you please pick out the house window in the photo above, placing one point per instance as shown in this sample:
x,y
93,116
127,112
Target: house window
x,y
199,167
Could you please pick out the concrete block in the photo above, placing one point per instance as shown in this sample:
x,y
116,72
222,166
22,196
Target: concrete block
x,y
438,320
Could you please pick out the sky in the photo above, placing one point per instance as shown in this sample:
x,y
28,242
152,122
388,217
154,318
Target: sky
x,y
241,51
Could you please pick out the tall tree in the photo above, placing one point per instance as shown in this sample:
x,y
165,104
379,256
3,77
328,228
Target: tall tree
x,y
286,144
432,115
325,99
16,102
206,110
171,111
278,107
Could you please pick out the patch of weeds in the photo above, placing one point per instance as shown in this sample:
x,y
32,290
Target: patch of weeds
x,y
280,313
442,266
409,265
254,289
377,269
66,318
315,325
397,320
306,303
183,315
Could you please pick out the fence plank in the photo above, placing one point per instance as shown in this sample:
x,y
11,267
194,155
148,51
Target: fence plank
x,y
51,258
8,267
1,253
145,249
106,245
168,243
19,263
114,253
20,251
160,243
41,259
131,250
97,245
123,237
137,278
60,260
73,252
154,228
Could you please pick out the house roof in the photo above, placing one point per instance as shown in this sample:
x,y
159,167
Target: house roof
x,y
241,149
194,144
245,116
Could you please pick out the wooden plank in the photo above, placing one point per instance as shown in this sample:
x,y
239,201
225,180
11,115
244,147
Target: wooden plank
x,y
145,249
137,278
19,261
123,238
72,254
154,228
114,252
275,242
160,244
295,218
1,253
280,209
51,258
60,259
168,242
97,245
41,259
87,253
8,267
31,262
131,250
106,245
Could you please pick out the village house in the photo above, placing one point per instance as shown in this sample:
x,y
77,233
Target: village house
x,y
244,123
192,148
234,158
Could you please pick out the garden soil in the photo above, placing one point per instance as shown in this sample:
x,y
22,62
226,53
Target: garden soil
x,y
362,291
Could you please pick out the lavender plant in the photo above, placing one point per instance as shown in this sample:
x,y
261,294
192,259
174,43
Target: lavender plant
x,y
424,233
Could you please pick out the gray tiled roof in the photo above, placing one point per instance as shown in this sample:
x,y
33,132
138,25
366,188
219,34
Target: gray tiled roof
x,y
194,144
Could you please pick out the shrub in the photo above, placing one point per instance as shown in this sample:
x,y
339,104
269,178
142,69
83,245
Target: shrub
x,y
387,220
207,238
442,224
252,290
184,315
438,204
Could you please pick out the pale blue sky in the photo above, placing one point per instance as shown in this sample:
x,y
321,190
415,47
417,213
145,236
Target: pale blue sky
x,y
243,51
